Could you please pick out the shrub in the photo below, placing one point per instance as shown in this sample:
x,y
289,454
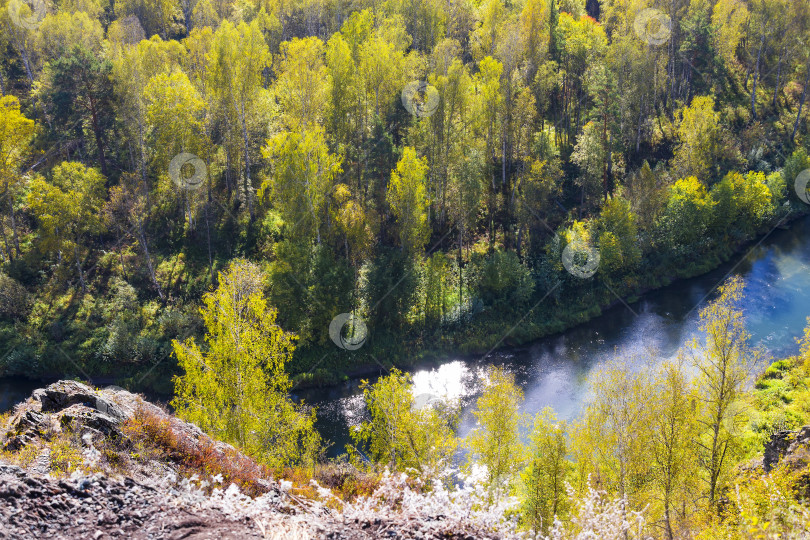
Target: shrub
x,y
161,437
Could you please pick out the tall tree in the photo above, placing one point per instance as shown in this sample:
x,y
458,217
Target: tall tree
x,y
79,90
404,434
698,150
673,435
688,213
618,236
127,210
543,481
495,442
16,132
302,85
407,197
724,360
302,176
236,388
237,60
69,210
488,104
610,440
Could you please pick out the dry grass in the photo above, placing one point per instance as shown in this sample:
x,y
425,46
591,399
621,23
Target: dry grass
x,y
24,458
161,438
65,453
4,418
346,481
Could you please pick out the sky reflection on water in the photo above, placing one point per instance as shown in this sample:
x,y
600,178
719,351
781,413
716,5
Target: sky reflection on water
x,y
554,371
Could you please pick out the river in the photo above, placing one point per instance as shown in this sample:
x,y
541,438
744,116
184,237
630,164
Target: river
x,y
554,371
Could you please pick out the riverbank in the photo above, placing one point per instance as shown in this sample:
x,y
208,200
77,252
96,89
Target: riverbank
x,y
329,366
570,306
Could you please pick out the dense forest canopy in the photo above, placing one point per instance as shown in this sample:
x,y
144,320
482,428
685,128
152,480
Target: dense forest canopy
x,y
227,200
425,170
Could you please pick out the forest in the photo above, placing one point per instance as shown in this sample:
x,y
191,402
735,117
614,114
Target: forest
x,y
224,200
422,173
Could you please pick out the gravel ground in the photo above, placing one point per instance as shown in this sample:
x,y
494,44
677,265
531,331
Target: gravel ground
x,y
102,508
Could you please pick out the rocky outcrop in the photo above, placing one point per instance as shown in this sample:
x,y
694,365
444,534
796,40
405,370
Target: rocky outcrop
x,y
146,502
101,508
96,415
790,449
159,497
68,404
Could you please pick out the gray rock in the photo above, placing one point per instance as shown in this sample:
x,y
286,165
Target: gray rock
x,y
790,448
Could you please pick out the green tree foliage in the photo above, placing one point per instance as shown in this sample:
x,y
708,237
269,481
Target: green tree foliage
x,y
15,137
698,150
157,16
501,281
302,178
745,201
673,441
236,388
542,486
403,434
69,210
391,288
590,155
540,113
688,214
302,86
647,196
174,116
312,272
236,63
61,31
804,342
495,442
343,91
79,91
724,360
618,235
407,197
798,162
609,439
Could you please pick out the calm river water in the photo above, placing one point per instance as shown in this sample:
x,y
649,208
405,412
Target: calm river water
x,y
554,371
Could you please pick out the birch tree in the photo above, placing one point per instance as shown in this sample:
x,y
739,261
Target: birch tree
x,y
236,386
724,360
